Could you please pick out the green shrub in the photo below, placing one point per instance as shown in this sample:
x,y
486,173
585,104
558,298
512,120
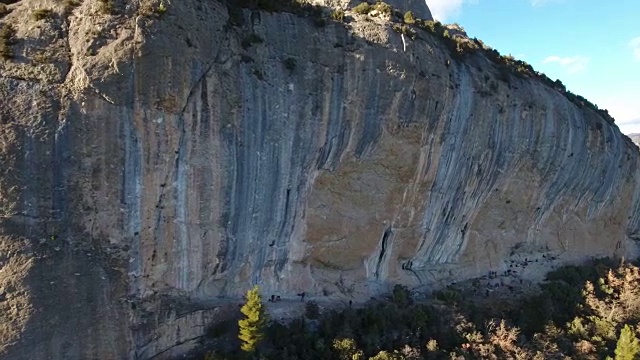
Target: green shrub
x,y
107,7
40,14
347,349
290,64
628,347
72,3
7,33
236,16
383,8
259,74
338,15
319,22
409,18
448,296
363,8
385,355
251,39
161,9
3,10
268,5
311,310
5,51
41,57
460,47
429,25
405,30
401,295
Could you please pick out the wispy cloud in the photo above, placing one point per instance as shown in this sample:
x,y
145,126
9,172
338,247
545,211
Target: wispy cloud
x,y
629,127
444,9
543,2
538,2
573,64
622,105
634,45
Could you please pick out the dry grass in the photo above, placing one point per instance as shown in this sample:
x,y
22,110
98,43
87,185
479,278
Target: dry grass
x,y
41,14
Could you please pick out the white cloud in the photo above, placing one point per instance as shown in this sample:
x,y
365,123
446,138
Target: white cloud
x,y
443,9
542,2
629,127
622,106
573,64
634,45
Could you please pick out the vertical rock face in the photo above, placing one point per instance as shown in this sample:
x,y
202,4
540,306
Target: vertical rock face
x,y
186,161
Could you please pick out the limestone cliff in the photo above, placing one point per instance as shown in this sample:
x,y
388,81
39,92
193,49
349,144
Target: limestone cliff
x,y
157,163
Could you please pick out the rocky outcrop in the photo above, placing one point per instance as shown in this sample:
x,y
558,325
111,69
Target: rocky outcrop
x,y
418,7
161,165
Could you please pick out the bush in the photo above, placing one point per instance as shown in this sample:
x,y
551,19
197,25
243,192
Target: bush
x,y
40,14
405,30
161,9
7,32
290,64
250,40
236,16
628,347
362,8
401,296
311,310
72,3
259,74
3,10
383,8
429,25
107,7
337,15
409,18
347,349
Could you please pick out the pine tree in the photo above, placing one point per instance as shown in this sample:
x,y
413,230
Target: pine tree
x,y
628,347
252,327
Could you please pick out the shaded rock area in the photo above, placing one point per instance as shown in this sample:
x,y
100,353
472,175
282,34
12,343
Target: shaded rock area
x,y
158,163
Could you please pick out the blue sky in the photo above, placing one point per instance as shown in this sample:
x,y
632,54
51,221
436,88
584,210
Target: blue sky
x,y
592,46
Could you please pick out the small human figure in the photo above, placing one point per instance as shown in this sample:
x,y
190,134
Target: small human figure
x,y
278,298
350,303
302,296
273,298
